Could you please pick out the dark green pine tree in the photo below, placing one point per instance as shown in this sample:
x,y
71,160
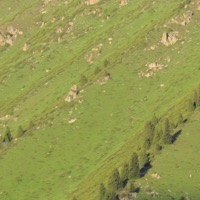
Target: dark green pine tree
x,y
20,131
157,135
167,138
8,136
114,181
143,158
102,192
134,169
83,80
154,120
191,106
180,119
31,125
124,174
149,132
111,194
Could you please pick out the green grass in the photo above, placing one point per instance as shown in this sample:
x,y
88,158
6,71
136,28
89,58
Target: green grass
x,y
57,158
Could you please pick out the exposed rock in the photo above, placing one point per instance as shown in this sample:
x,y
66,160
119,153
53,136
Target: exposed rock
x,y
169,38
123,2
2,40
73,93
155,175
198,5
25,47
9,41
70,121
152,69
187,18
153,193
94,53
104,79
91,2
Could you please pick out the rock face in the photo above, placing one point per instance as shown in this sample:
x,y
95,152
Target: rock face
x,y
92,2
187,18
169,38
123,2
73,93
8,36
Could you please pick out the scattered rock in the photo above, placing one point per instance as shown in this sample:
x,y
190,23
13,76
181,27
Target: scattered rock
x,y
153,193
25,47
91,2
94,53
73,93
123,2
104,79
155,175
169,38
70,121
152,69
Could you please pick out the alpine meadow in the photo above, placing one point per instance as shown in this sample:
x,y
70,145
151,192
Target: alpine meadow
x,y
99,99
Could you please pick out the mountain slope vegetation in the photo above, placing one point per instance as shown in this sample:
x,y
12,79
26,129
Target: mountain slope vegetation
x,y
129,62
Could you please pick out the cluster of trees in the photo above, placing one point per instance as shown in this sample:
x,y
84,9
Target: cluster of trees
x,y
7,137
123,180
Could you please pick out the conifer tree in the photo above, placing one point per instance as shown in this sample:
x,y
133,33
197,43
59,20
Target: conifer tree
x,y
154,120
8,136
157,135
124,174
143,159
20,131
167,138
180,119
102,192
190,105
149,131
31,125
134,169
114,181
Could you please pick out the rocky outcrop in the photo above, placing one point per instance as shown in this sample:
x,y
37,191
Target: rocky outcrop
x,y
123,2
9,35
152,69
198,5
25,47
169,38
183,20
73,93
92,2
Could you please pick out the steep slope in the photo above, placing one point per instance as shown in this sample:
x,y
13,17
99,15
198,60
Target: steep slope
x,y
63,41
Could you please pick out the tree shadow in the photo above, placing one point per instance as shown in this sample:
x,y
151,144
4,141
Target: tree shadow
x,y
176,135
145,169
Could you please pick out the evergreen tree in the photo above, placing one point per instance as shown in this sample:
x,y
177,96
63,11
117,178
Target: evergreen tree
x,y
167,138
154,120
124,174
97,70
190,105
143,159
102,192
149,132
157,135
134,170
180,119
8,136
111,195
20,131
114,180
83,80
31,125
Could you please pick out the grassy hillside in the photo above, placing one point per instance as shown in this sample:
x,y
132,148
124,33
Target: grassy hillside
x,y
65,40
